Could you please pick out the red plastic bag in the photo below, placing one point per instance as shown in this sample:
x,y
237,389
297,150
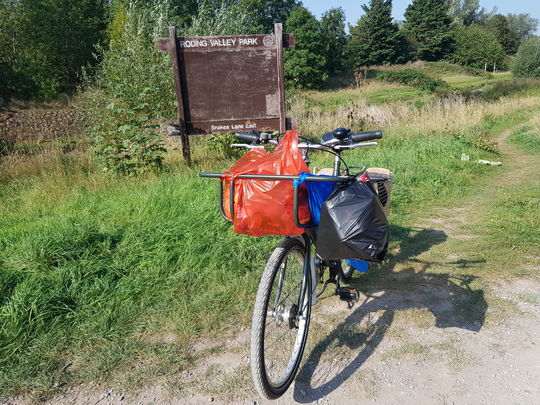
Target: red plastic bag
x,y
264,207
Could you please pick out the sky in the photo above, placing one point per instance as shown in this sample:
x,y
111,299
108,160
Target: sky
x,y
353,9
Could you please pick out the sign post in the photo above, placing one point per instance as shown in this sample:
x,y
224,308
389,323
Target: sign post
x,y
226,84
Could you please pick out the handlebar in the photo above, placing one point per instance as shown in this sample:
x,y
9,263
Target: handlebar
x,y
365,136
339,139
247,137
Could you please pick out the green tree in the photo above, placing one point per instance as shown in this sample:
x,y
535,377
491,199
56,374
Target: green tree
x,y
475,45
229,19
305,65
132,89
526,63
268,12
46,42
376,39
185,10
427,27
498,25
468,12
522,25
334,39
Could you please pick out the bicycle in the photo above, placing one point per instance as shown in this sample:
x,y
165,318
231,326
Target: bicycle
x,y
287,289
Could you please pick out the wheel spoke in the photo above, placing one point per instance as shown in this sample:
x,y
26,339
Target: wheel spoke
x,y
276,340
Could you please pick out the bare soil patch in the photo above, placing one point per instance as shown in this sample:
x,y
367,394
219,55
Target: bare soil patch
x,y
38,124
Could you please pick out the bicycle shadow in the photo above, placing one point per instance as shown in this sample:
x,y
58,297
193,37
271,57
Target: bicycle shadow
x,y
449,298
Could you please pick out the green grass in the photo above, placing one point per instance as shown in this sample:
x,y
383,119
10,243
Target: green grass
x,y
409,76
467,82
441,68
329,101
527,138
88,274
417,84
396,94
529,298
94,269
86,277
464,81
513,221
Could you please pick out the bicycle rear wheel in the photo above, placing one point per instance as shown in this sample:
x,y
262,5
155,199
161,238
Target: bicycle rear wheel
x,y
346,271
280,319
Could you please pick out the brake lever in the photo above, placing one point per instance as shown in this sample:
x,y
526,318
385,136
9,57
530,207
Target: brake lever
x,y
246,146
355,145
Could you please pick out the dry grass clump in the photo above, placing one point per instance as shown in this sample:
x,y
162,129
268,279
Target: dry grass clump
x,y
535,123
449,114
44,159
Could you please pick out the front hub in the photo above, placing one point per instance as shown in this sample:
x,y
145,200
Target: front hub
x,y
286,315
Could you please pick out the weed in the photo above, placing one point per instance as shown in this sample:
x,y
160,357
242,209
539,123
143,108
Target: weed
x,y
529,298
411,77
527,138
479,139
221,143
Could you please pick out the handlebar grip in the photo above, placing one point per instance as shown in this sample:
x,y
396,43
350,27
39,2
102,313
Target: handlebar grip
x,y
247,137
365,136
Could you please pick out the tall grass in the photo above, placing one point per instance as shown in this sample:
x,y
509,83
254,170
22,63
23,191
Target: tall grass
x,y
91,272
444,115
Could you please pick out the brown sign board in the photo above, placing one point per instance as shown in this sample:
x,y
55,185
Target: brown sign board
x,y
227,84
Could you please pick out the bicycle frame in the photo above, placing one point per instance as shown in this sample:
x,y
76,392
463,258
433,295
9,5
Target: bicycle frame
x,y
273,299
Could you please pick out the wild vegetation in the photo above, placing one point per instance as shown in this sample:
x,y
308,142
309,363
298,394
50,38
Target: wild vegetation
x,y
527,60
96,270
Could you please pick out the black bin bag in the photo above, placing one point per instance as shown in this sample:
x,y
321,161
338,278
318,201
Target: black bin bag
x,y
353,225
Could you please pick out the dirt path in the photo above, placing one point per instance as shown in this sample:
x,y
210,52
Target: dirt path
x,y
432,327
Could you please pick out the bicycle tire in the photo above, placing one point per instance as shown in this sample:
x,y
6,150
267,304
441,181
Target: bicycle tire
x,y
346,271
266,385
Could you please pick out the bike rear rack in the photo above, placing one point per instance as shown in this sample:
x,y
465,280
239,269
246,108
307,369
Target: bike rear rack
x,y
291,178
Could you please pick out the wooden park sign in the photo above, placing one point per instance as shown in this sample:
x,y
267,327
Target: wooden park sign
x,y
227,84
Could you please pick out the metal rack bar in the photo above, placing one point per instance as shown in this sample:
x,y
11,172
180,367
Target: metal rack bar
x,y
220,176
276,177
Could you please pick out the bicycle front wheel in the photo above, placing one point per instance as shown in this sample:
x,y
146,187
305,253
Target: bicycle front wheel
x,y
280,319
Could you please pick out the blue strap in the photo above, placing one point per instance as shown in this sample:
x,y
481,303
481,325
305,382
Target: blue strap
x,y
301,179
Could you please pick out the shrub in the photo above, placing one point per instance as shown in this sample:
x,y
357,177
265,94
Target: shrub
x,y
509,87
501,89
527,60
129,150
475,45
305,65
130,93
221,143
228,19
410,77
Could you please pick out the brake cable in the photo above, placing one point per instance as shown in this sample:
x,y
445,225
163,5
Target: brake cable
x,y
329,150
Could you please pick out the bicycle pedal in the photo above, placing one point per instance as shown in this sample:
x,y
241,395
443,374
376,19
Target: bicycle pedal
x,y
348,294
